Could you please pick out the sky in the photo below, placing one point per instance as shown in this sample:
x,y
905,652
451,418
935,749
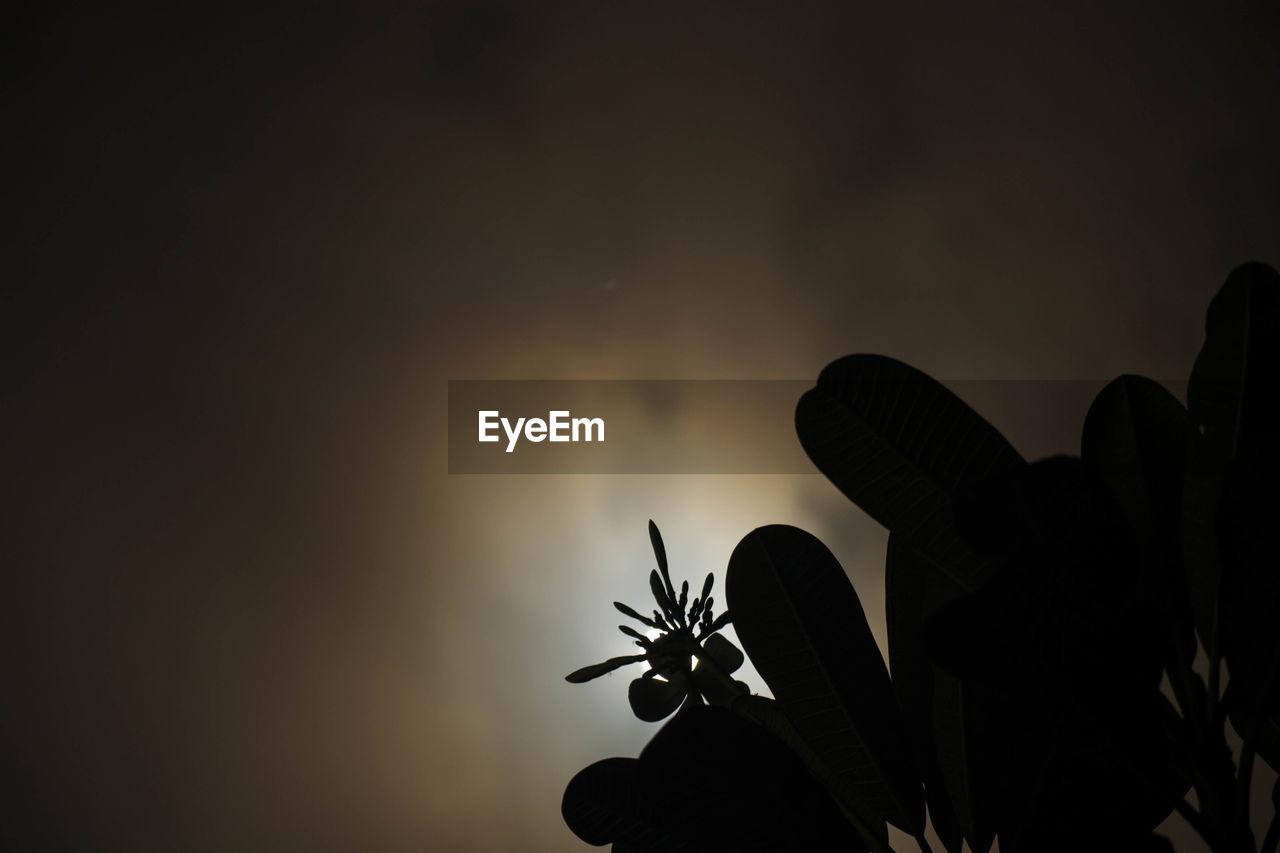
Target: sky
x,y
247,607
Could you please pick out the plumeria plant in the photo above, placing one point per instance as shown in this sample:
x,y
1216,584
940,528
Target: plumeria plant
x,y
1070,639
689,659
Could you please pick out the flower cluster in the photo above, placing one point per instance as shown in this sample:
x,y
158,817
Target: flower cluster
x,y
688,660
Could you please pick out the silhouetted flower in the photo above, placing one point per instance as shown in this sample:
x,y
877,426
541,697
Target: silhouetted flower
x,y
687,632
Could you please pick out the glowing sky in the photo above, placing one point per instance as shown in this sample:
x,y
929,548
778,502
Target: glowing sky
x,y
246,606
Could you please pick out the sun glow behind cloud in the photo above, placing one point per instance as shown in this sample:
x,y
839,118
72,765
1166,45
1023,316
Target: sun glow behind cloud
x,y
245,302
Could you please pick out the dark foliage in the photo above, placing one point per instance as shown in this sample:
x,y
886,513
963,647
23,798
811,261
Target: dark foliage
x,y
1034,610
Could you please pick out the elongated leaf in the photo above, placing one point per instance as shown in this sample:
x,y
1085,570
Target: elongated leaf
x,y
959,787
902,447
1201,557
1136,438
1268,739
1060,673
624,609
706,587
765,713
915,589
613,801
578,676
1067,594
741,789
660,596
1087,799
1049,777
1230,398
635,847
660,554
802,625
709,781
943,818
633,634
1249,522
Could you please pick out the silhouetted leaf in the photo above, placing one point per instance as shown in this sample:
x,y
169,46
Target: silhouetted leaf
x,y
726,655
1059,665
914,590
902,447
1135,438
1268,744
1201,559
613,801
659,591
706,586
1231,398
765,713
654,699
905,448
1089,802
578,676
1049,782
767,800
1250,632
719,622
1232,394
633,634
660,554
624,609
731,786
638,847
800,621
959,790
1065,598
942,816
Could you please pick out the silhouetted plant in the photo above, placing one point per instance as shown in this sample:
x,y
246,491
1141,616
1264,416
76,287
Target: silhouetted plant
x,y
684,636
1033,611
